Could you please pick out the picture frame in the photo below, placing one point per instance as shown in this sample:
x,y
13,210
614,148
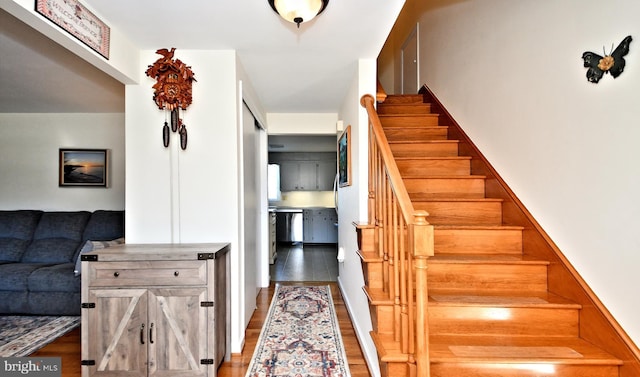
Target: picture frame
x,y
77,20
344,158
83,168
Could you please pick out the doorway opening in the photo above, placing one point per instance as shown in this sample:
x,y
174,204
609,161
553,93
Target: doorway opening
x,y
305,228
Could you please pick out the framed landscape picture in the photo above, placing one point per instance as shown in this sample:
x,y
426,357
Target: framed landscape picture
x,y
83,167
344,158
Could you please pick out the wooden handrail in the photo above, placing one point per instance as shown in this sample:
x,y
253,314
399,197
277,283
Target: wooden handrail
x,y
367,101
404,241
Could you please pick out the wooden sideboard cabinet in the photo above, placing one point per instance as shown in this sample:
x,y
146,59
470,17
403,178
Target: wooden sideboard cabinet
x,y
154,310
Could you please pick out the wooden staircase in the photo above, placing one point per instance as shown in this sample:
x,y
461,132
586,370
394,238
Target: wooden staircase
x,y
502,299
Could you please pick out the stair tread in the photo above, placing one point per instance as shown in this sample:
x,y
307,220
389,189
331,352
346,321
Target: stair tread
x,y
369,256
385,104
456,200
486,259
478,227
377,296
501,298
428,115
435,141
511,299
496,349
452,348
447,177
432,158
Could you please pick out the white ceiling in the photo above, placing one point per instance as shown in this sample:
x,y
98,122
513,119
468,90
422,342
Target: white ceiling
x,y
305,70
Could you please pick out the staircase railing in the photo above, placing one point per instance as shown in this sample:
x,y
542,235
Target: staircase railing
x,y
404,242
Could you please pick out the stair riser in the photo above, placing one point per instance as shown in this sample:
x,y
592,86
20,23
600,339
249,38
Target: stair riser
x,y
489,321
391,369
452,188
373,274
366,239
469,276
422,108
478,241
382,319
537,369
445,149
413,134
404,99
464,241
502,321
420,167
462,213
409,120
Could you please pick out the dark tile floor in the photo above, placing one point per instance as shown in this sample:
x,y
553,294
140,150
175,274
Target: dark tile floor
x,y
309,262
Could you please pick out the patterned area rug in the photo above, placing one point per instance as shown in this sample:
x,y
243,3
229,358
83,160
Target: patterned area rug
x,y
22,335
300,337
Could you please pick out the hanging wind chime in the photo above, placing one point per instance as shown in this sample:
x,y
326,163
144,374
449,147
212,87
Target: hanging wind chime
x,y
172,92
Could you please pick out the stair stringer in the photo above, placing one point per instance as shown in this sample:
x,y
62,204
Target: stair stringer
x,y
597,325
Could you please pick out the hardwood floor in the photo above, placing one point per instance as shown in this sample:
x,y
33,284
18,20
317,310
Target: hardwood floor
x,y
68,346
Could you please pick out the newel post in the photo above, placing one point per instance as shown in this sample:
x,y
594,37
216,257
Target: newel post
x,y
422,244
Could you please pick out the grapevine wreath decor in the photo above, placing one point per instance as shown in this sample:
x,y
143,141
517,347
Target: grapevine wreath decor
x,y
172,92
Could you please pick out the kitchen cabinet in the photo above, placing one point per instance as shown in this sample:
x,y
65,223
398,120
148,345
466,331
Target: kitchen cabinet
x,y
305,171
154,310
319,225
298,176
326,173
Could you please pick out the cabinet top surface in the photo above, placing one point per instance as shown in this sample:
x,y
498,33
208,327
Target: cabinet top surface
x,y
160,251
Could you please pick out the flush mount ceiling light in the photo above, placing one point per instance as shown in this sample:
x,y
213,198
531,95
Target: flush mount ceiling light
x,y
298,11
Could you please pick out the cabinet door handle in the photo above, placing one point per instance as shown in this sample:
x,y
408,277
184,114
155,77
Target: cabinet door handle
x,y
116,274
142,334
151,333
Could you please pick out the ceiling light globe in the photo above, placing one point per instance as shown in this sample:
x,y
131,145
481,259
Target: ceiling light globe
x,y
298,11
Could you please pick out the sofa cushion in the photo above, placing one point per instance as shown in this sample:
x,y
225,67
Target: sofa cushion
x,y
57,237
14,302
16,230
15,276
104,225
56,278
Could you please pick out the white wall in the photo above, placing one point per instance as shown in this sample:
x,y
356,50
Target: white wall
x,y
511,74
301,123
29,145
192,195
352,207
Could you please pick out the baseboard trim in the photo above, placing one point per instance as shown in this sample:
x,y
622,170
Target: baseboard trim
x,y
370,354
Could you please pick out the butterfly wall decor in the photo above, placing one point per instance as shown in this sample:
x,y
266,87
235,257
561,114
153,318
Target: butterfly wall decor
x,y
613,63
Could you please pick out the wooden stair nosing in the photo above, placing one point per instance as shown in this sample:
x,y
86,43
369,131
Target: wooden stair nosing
x,y
377,297
369,256
388,349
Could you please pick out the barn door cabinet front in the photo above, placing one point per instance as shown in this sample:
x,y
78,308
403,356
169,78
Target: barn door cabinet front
x,y
149,312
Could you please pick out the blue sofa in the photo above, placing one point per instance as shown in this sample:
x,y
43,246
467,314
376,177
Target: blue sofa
x,y
38,253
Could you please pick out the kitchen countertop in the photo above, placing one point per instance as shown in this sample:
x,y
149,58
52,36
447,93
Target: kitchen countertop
x,y
294,209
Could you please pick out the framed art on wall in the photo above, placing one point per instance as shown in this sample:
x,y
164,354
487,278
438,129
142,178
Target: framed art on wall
x,y
83,167
344,158
73,17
